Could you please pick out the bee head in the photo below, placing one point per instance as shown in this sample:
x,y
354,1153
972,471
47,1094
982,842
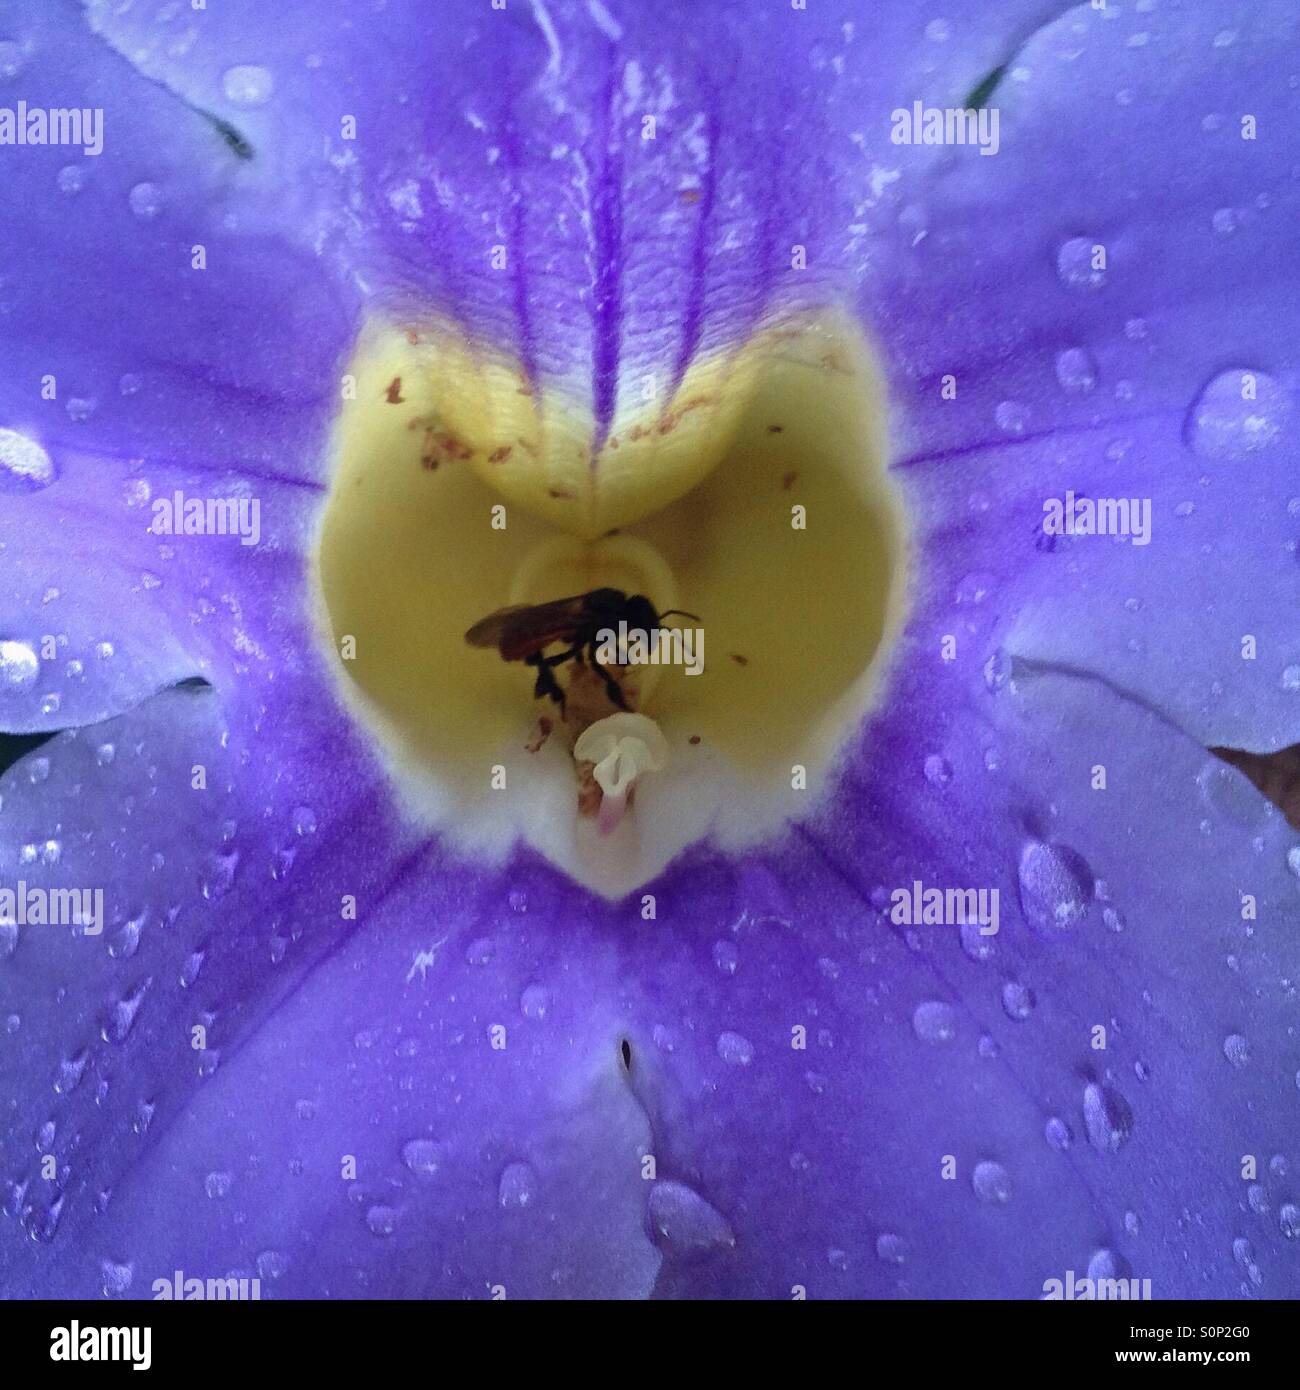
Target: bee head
x,y
641,613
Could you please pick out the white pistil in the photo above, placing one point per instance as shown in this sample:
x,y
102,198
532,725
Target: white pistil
x,y
620,748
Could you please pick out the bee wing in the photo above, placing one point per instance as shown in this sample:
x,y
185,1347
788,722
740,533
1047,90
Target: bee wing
x,y
522,629
487,631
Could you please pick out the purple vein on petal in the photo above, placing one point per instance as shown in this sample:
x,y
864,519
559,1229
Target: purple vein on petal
x,y
693,311
519,236
607,227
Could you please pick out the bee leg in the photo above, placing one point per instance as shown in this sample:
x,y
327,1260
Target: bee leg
x,y
546,684
612,687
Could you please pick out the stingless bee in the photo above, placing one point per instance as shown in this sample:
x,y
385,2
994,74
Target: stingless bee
x,y
522,632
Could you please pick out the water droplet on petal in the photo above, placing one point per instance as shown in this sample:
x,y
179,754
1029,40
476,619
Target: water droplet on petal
x,y
534,1002
974,587
1012,417
974,941
1238,414
40,1223
992,1182
1106,1264
735,1050
247,85
998,670
1236,1049
938,771
218,874
934,1022
1106,1117
518,1186
71,1070
685,1222
115,1278
19,666
1078,264
1056,886
1232,794
422,1155
1076,370
1017,1001
12,59
145,200
218,1185
891,1248
116,1027
1288,1220
24,464
381,1220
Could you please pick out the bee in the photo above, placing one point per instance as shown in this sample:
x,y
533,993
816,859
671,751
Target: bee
x,y
522,632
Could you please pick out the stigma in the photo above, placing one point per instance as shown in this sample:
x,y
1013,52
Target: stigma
x,y
613,753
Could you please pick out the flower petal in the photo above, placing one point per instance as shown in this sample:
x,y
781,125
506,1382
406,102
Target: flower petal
x,y
1051,1066
1161,137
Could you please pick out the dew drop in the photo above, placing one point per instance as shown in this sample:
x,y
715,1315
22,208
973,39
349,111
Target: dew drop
x,y
975,942
735,1050
479,951
381,1221
12,59
41,1223
998,670
1017,1001
938,770
891,1248
1076,370
115,1278
992,1182
1107,1117
247,85
1238,414
685,1222
1236,1049
1056,886
1076,264
116,1027
1012,417
934,1022
71,1070
422,1156
24,464
1232,795
974,587
1288,1220
1106,1264
535,1002
145,200
218,875
218,1185
518,1186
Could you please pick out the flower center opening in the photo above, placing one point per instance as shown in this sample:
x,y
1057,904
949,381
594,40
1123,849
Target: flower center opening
x,y
765,509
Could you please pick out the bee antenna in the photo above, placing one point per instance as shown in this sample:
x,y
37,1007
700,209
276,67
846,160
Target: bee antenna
x,y
681,613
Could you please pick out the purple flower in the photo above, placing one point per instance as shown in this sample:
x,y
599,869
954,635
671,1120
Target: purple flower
x,y
350,1019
